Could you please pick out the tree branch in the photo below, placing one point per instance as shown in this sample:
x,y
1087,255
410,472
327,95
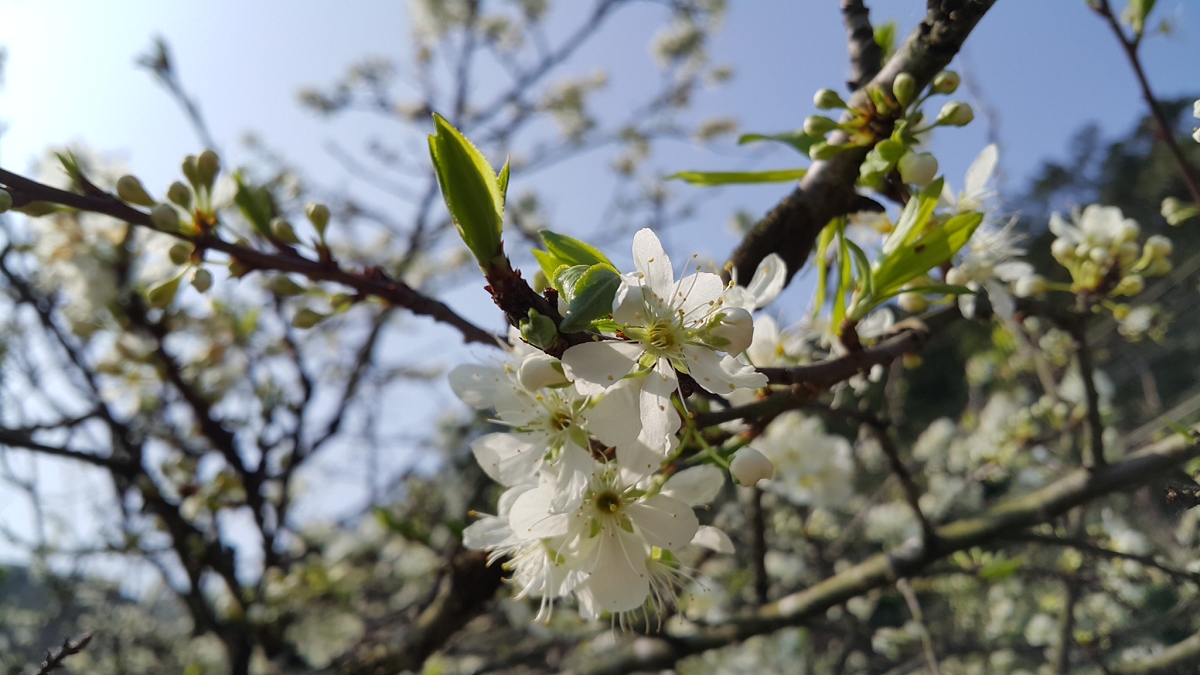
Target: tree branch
x,y
866,56
827,190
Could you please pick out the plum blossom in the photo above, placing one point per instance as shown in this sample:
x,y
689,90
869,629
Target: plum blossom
x,y
667,325
811,467
976,194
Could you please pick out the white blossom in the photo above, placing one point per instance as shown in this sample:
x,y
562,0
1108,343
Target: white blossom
x,y
811,466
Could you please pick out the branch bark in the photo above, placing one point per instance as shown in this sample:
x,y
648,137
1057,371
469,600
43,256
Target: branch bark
x,y
866,56
827,191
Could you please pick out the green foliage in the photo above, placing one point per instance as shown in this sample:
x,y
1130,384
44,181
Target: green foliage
x,y
711,178
798,140
473,192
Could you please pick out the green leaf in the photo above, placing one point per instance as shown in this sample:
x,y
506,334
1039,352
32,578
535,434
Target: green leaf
x,y
256,205
936,247
880,161
571,251
548,262
709,178
885,37
405,528
1138,11
797,139
914,217
866,278
590,298
1187,433
823,242
473,192
937,289
163,294
1000,569
538,330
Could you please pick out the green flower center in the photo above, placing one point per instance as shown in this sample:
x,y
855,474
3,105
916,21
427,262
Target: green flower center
x,y
608,503
663,335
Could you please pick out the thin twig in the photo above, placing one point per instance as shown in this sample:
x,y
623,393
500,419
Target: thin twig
x,y
914,608
1087,373
911,493
54,660
758,546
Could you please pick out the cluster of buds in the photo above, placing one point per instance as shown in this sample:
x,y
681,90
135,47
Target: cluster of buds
x,y
1100,250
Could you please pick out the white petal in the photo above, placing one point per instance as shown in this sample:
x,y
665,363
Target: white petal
x,y
697,294
486,533
721,374
614,419
619,581
574,467
696,486
531,517
1013,270
640,458
629,302
509,497
653,263
664,522
595,366
476,385
505,458
981,170
713,539
768,280
658,416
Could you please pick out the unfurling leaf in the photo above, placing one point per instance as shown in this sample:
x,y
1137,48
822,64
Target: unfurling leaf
x,y
474,193
708,178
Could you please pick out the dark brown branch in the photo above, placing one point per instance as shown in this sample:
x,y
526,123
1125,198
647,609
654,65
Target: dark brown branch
x,y
370,282
1085,546
54,660
1167,134
827,191
911,493
758,546
16,439
1087,372
866,56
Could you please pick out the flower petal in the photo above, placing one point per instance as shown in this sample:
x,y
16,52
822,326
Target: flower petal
x,y
696,295
505,458
595,366
476,385
713,539
720,374
532,518
653,263
696,486
618,581
665,522
659,420
768,282
629,302
486,533
614,418
574,467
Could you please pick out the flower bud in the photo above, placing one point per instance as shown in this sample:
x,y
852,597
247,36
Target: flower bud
x,y
737,326
1127,253
1132,284
904,88
208,165
827,99
6,201
180,195
1176,210
818,125
202,279
956,114
1029,285
318,215
538,371
946,82
913,303
282,285
180,253
163,294
237,269
956,277
1158,268
165,218
191,171
307,318
1062,249
130,189
750,466
282,230
1158,247
1100,256
823,151
918,168
1130,230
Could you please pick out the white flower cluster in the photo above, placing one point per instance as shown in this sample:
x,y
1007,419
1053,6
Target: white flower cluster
x,y
587,512
1100,250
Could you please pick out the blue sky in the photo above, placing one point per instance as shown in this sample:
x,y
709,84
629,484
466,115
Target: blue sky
x,y
1046,66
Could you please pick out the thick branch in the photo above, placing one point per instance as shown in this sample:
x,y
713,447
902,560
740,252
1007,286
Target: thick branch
x,y
1079,487
866,56
827,191
370,282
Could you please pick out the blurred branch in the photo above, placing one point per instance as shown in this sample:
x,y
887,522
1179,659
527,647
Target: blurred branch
x,y
914,608
1087,371
758,546
368,282
54,660
911,493
1078,487
158,61
866,56
827,190
1166,133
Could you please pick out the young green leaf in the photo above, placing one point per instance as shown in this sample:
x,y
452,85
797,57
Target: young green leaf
x,y
591,297
255,203
571,251
710,178
933,249
798,140
473,192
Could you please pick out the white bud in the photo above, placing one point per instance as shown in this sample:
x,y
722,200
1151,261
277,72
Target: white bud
x,y
827,99
130,189
538,371
1158,268
318,215
1032,284
737,326
202,279
956,114
1130,285
946,82
750,466
165,218
1061,249
1130,230
1158,247
1083,250
956,277
1100,256
918,168
913,303
1128,253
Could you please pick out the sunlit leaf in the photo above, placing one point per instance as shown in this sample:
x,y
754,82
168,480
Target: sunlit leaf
x,y
707,178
